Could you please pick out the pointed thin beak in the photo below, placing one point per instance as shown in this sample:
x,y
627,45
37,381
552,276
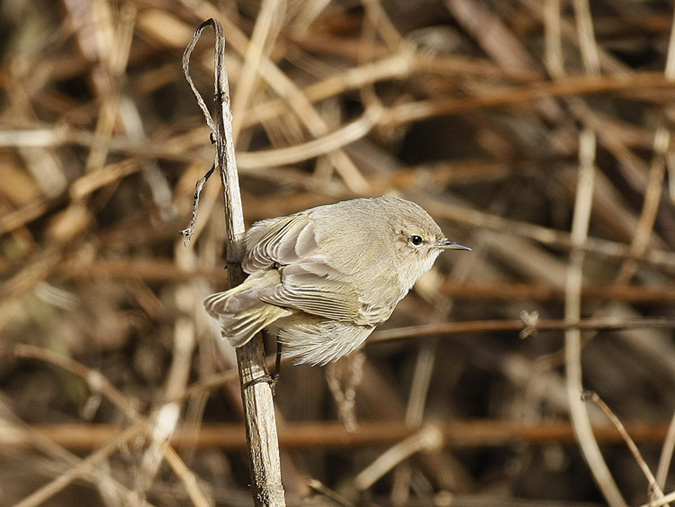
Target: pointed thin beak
x,y
446,244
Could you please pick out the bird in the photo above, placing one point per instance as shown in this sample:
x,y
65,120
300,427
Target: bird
x,y
322,279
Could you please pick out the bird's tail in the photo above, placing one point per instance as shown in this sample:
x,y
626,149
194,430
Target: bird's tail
x,y
240,312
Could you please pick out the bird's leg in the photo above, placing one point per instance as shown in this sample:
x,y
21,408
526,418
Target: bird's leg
x,y
277,365
272,379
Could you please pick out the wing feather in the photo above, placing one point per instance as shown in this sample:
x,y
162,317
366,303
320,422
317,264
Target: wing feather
x,y
309,282
280,241
315,294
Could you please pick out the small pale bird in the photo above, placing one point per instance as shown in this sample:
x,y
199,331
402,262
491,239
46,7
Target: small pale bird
x,y
325,277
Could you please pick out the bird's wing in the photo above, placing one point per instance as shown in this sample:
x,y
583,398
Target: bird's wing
x,y
304,290
280,241
309,282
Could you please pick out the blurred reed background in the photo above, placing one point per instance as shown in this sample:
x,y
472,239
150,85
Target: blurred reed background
x,y
536,132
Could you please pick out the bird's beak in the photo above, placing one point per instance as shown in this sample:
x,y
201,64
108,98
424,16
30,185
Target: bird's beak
x,y
446,244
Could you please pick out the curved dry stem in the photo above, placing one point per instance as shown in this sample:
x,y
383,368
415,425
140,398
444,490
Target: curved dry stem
x,y
666,455
653,486
261,432
578,412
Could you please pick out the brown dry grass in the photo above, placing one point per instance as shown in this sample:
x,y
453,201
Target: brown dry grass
x,y
537,132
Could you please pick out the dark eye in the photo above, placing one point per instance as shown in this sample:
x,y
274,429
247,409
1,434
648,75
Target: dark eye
x,y
416,240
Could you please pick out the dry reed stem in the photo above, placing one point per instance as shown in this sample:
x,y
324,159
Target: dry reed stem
x,y
164,421
655,491
99,476
100,385
661,501
571,86
450,329
318,487
81,469
573,371
261,433
657,171
591,60
267,28
543,235
428,438
299,104
457,434
486,326
414,414
343,378
666,457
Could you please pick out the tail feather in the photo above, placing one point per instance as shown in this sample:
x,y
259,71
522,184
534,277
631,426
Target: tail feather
x,y
240,312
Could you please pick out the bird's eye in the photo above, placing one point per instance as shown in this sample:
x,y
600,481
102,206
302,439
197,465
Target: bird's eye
x,y
416,240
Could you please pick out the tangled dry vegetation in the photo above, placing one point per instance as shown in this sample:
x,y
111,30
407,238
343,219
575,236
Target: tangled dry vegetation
x,y
535,131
